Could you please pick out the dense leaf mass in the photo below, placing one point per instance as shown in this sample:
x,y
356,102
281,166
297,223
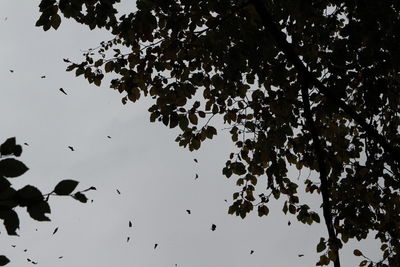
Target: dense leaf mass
x,y
313,84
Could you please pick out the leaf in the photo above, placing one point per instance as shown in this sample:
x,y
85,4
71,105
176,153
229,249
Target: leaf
x,y
263,210
315,217
321,245
39,210
109,66
193,118
213,227
9,147
3,260
55,21
65,187
30,192
130,224
80,197
11,168
55,230
4,184
10,221
357,253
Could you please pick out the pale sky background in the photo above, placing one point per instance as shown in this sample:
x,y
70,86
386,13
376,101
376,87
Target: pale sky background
x,y
155,176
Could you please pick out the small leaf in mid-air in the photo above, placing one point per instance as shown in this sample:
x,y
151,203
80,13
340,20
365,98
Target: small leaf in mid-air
x,y
213,227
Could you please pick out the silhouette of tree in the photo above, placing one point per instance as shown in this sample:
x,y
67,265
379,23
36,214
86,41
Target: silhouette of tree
x,y
313,84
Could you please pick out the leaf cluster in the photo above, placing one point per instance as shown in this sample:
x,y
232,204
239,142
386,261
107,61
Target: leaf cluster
x,y
28,197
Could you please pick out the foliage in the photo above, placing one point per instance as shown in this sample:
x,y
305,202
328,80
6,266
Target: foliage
x,y
310,84
29,197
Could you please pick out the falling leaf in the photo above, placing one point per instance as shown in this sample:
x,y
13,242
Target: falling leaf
x,y
127,239
55,230
195,160
118,192
72,149
130,224
197,176
12,71
61,257
251,252
26,144
13,246
301,255
188,211
289,223
25,250
62,90
109,137
155,245
43,76
213,227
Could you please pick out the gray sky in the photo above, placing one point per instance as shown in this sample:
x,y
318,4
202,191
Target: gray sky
x,y
155,176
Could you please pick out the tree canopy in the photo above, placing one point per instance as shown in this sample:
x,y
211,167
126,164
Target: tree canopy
x,y
310,84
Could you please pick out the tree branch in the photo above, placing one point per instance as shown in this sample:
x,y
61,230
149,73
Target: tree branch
x,y
288,49
334,243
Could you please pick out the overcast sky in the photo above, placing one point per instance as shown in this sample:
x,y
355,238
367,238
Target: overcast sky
x,y
154,175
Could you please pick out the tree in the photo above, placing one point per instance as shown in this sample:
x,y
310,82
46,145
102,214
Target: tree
x,y
313,84
29,197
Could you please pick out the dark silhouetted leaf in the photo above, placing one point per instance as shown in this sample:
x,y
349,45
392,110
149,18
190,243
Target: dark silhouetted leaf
x,y
63,91
55,230
80,197
39,210
10,220
251,252
130,224
357,252
11,168
4,184
65,187
7,148
55,21
213,227
3,260
155,246
188,211
29,195
321,245
71,148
